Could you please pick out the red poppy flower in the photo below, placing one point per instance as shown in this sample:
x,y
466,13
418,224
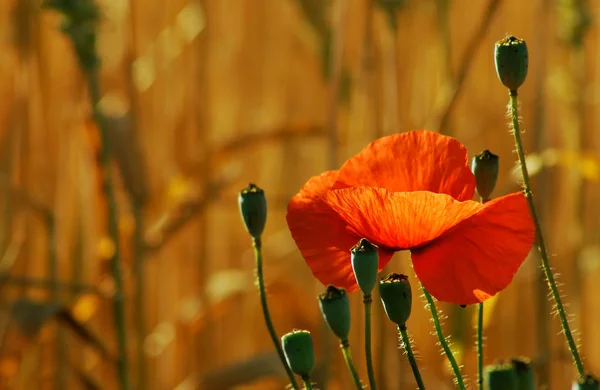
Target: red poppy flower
x,y
413,191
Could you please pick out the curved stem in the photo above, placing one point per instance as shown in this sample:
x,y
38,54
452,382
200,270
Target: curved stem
x,y
480,346
411,356
350,364
442,339
265,308
514,114
307,383
367,300
480,333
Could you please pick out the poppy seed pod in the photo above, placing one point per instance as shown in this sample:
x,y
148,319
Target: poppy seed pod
x,y
525,373
365,264
512,61
299,351
485,167
335,308
501,376
588,382
253,206
396,296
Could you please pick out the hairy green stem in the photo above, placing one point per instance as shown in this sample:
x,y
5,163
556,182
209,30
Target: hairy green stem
x,y
345,345
411,356
380,353
307,382
113,228
442,339
480,335
257,244
514,114
480,346
367,300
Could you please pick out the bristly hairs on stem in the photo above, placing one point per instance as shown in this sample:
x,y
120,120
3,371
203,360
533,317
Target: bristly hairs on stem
x,y
548,273
417,354
550,295
443,340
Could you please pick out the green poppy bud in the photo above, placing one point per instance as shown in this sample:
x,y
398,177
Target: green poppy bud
x,y
253,206
396,296
525,373
485,166
512,61
501,376
335,308
299,351
588,382
365,263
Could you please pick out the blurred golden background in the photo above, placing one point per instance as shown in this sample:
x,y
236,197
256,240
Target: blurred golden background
x,y
204,96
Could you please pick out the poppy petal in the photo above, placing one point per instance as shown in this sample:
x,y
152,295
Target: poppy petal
x,y
479,256
323,236
413,161
398,220
317,186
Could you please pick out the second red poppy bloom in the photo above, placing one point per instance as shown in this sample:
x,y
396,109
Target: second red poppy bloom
x,y
413,191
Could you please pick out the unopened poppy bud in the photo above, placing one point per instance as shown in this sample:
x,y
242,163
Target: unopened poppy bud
x,y
335,308
512,61
588,382
253,206
299,351
396,296
365,263
485,166
525,373
501,376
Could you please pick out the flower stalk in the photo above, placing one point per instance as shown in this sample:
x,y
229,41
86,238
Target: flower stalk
x,y
396,296
411,356
365,262
253,210
335,308
442,339
345,346
307,382
257,245
516,130
367,300
485,167
480,346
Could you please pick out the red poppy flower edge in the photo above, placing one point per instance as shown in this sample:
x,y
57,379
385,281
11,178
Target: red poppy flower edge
x,y
478,257
463,252
418,160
